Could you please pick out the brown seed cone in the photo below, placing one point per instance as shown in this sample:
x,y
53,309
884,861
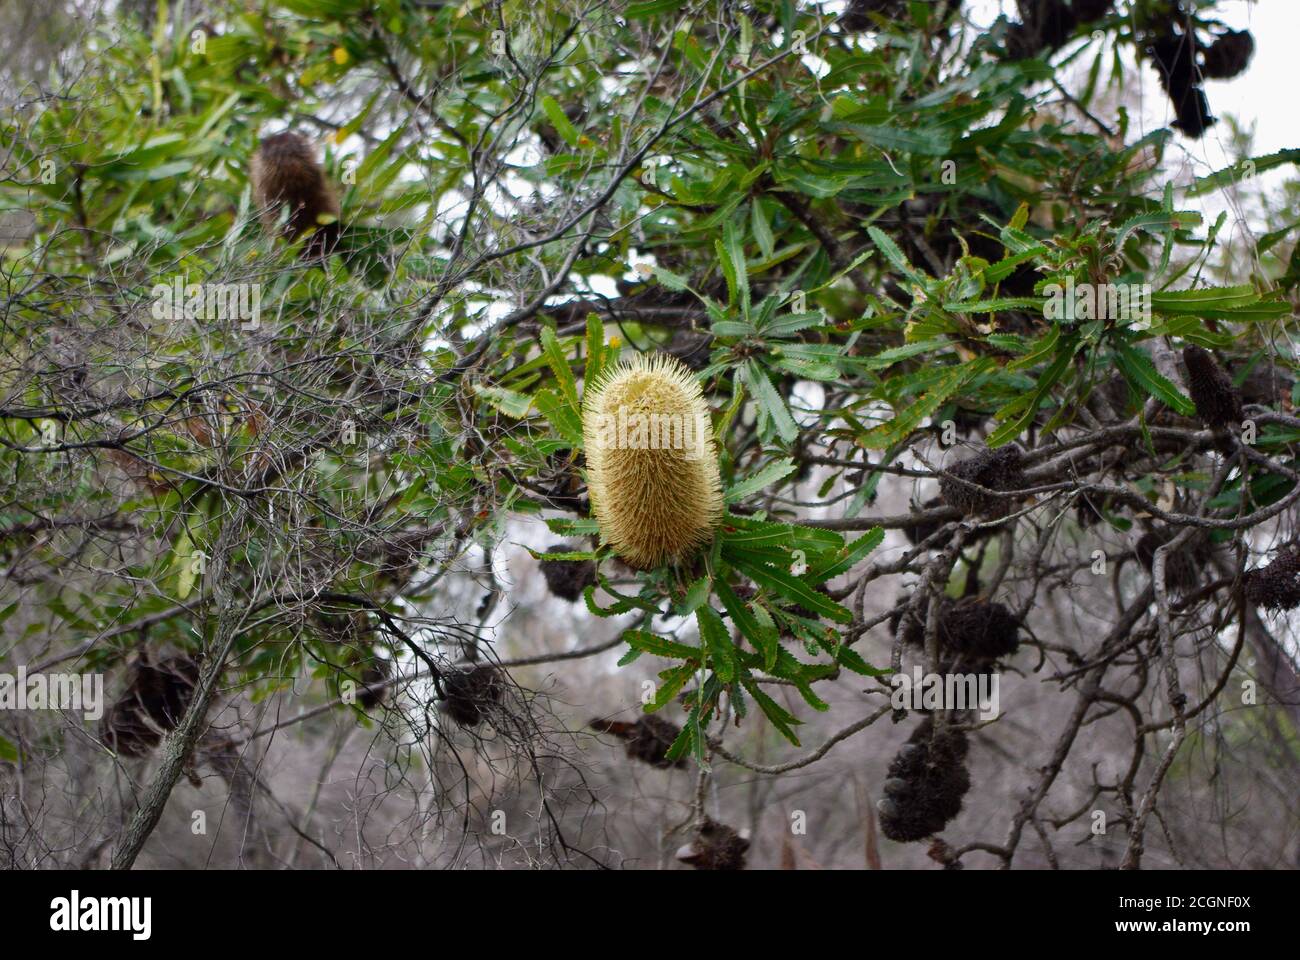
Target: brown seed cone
x,y
1217,401
648,738
926,783
285,173
1276,585
981,629
567,579
1228,55
1174,57
471,693
1182,567
999,469
154,701
716,846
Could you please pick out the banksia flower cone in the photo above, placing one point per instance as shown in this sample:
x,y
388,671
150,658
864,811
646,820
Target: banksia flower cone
x,y
652,470
983,630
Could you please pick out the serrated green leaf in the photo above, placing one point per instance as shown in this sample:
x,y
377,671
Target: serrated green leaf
x,y
567,131
1039,352
777,715
850,659
891,252
595,348
765,477
560,414
762,229
996,305
573,526
770,402
1242,170
670,684
512,404
1027,405
910,416
848,557
1141,373
769,537
559,365
665,647
789,586
764,641
717,641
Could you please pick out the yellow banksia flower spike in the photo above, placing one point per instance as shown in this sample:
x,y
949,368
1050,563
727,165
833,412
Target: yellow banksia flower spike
x,y
652,466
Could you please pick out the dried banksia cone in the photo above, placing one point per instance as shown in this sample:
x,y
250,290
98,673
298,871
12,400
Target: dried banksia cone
x,y
1228,55
471,693
155,699
648,738
1088,512
1182,567
1275,586
652,470
285,173
1174,57
998,469
567,578
926,783
716,847
913,629
921,531
1217,401
982,629
377,671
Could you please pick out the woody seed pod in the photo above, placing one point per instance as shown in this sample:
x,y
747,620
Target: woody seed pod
x,y
1217,401
926,783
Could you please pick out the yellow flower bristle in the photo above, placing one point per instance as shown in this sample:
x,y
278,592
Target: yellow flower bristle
x,y
652,466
